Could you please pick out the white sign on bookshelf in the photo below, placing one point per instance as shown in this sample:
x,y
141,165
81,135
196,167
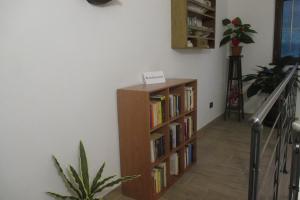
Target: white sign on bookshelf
x,y
154,77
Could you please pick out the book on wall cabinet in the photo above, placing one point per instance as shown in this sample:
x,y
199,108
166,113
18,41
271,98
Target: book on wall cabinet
x,y
152,140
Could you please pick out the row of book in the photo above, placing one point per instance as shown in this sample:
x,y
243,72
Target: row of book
x,y
156,110
174,164
159,175
188,155
188,98
174,135
188,127
174,105
157,149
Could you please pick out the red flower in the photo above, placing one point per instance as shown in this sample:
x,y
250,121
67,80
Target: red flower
x,y
235,42
236,21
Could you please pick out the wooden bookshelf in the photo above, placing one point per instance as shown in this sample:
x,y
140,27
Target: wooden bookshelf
x,y
135,132
194,21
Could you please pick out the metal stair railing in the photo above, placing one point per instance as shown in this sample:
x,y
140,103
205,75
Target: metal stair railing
x,y
295,167
269,146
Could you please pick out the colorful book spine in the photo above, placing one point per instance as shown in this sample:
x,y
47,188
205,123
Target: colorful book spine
x,y
188,155
159,175
156,110
188,98
188,127
157,148
174,135
174,101
174,164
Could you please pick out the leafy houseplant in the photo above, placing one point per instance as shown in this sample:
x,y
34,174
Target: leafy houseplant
x,y
79,183
236,32
266,81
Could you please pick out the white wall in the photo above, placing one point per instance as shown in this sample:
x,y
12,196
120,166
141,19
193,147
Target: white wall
x,y
60,65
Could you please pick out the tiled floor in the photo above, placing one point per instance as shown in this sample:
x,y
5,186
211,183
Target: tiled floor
x,y
221,172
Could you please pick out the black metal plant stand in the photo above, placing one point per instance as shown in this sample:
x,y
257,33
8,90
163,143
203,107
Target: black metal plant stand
x,y
234,97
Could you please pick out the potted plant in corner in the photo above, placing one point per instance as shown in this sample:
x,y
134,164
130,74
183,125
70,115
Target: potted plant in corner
x,y
79,184
266,81
236,32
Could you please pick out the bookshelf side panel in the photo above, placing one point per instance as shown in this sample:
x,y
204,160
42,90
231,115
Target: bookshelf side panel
x,y
134,136
179,23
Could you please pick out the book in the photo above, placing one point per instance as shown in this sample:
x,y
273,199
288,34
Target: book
x,y
156,110
188,155
174,135
159,175
188,127
174,101
174,164
157,149
188,98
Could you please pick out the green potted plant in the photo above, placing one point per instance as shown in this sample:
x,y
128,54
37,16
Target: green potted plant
x,y
79,183
236,32
266,81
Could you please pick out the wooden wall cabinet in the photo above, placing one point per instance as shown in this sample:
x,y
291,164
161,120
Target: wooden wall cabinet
x,y
193,23
135,134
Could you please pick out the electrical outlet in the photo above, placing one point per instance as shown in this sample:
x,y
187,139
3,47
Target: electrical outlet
x,y
211,104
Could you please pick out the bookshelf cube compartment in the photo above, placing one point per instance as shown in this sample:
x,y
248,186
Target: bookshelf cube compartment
x,y
176,134
159,145
189,152
158,108
190,96
159,175
176,103
189,126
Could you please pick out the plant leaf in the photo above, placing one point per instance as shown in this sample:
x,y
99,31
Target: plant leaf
x,y
253,90
59,196
246,25
249,77
70,184
225,40
101,183
228,32
251,31
226,21
246,38
97,177
84,168
119,180
79,181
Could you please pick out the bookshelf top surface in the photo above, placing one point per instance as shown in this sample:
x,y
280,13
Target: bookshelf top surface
x,y
160,86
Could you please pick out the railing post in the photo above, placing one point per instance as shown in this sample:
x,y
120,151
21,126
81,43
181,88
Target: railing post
x,y
254,160
294,179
